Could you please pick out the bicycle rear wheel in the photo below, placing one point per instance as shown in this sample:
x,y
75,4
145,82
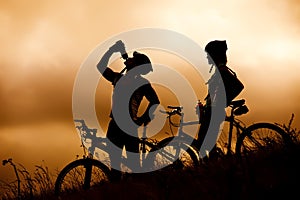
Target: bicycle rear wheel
x,y
172,153
81,175
261,137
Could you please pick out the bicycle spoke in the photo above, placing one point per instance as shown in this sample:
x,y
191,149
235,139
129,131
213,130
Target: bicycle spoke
x,y
261,136
174,154
80,175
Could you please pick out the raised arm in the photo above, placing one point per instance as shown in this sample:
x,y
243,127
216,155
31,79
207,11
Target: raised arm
x,y
102,65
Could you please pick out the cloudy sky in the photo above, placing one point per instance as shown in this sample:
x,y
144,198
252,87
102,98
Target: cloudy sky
x,y
43,44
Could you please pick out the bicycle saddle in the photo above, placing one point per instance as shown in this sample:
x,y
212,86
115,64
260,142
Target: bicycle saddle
x,y
241,110
237,103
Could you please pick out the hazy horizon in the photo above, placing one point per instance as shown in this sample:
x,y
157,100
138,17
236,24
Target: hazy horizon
x,y
45,42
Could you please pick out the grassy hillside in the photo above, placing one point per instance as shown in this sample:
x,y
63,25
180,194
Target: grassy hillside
x,y
262,175
268,174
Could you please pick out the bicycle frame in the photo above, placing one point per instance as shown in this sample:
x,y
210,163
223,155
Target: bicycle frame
x,y
182,139
146,144
250,139
177,110
233,122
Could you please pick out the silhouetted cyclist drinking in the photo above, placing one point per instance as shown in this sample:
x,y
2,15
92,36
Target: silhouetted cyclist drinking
x,y
129,88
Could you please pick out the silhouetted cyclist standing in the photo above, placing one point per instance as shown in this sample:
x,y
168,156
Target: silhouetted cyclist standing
x,y
216,55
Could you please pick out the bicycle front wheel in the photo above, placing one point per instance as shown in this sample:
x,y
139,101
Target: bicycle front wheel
x,y
261,137
81,175
172,153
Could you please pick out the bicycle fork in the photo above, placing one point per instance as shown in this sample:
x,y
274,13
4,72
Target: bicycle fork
x,y
88,175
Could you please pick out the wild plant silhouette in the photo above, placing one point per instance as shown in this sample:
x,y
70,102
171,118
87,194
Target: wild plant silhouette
x,y
264,174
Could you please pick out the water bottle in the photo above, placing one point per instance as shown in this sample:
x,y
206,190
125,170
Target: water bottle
x,y
122,51
200,110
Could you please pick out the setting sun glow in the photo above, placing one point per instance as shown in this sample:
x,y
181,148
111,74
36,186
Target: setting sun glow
x,y
43,44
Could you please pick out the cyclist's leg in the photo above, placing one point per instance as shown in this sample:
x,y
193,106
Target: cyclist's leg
x,y
115,148
204,127
209,127
132,150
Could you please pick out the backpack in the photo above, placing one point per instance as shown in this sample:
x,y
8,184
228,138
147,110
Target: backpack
x,y
233,86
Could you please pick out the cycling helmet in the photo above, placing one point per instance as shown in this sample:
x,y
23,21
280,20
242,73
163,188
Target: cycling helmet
x,y
217,51
137,60
216,47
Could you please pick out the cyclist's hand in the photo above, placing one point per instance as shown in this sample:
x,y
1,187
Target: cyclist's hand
x,y
145,119
118,47
138,121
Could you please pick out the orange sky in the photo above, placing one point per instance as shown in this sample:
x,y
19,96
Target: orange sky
x,y
45,42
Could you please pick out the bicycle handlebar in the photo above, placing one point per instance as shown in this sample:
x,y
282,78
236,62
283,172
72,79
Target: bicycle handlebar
x,y
79,120
175,107
176,110
84,126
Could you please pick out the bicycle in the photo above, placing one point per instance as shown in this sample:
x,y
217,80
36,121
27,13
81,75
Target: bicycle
x,y
84,173
178,151
235,137
243,139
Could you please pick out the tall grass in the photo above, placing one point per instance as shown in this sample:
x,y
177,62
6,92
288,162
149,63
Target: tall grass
x,y
265,174
38,184
294,133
